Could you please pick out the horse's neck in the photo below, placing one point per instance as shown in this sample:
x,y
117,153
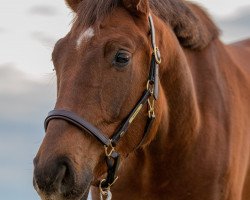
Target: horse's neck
x,y
182,117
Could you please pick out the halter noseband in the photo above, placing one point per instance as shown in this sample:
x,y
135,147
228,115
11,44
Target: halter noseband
x,y
149,96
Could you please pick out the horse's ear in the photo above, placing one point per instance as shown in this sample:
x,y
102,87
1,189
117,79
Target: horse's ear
x,y
137,7
73,4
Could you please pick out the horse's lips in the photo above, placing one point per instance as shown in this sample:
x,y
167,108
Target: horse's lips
x,y
54,197
84,195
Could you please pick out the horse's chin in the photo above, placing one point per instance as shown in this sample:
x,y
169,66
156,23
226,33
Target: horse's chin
x,y
54,197
58,196
83,196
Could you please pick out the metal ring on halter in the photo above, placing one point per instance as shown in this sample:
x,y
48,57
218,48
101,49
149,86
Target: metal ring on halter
x,y
157,55
104,191
150,87
109,149
109,185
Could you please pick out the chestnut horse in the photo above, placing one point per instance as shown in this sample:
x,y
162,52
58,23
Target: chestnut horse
x,y
198,146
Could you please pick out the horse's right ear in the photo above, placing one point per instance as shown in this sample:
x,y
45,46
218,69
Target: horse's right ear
x,y
73,4
137,7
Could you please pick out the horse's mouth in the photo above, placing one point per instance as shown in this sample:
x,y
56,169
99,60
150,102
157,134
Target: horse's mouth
x,y
57,195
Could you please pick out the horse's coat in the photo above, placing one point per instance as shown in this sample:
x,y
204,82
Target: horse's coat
x,y
199,145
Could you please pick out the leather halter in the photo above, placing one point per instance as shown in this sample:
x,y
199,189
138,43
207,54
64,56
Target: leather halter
x,y
149,96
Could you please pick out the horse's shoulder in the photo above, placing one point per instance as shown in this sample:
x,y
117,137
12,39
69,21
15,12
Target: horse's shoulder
x,y
242,43
240,51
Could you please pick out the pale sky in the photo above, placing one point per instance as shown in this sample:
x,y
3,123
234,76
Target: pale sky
x,y
29,28
223,8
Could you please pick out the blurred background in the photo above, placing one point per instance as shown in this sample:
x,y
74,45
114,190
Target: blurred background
x,y
28,32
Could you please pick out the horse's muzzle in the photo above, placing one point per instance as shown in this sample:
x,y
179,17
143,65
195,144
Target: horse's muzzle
x,y
57,179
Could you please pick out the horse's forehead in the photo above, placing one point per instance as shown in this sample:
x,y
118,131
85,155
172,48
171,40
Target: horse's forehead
x,y
118,19
84,36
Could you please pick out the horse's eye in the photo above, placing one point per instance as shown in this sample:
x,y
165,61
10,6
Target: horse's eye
x,y
122,58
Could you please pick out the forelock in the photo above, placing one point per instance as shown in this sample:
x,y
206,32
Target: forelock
x,y
92,11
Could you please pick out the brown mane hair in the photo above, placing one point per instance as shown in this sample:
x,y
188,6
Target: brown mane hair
x,y
191,24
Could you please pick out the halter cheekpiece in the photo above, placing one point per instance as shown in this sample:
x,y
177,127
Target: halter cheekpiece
x,y
149,97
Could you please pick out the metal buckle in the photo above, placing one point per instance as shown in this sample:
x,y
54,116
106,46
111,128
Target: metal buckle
x,y
157,55
150,87
109,149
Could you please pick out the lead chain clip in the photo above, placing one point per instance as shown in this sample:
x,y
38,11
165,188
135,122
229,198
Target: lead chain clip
x,y
105,193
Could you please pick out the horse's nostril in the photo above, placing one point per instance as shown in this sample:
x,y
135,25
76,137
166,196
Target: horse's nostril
x,y
65,180
60,179
54,177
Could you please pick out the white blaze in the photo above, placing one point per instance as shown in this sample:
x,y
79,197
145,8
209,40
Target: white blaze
x,y
85,36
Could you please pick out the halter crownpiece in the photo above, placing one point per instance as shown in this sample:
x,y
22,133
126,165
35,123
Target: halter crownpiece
x,y
148,97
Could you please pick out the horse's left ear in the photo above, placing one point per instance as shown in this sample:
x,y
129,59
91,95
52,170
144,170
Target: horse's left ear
x,y
137,7
73,4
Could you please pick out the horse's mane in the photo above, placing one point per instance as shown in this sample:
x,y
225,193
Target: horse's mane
x,y
191,24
